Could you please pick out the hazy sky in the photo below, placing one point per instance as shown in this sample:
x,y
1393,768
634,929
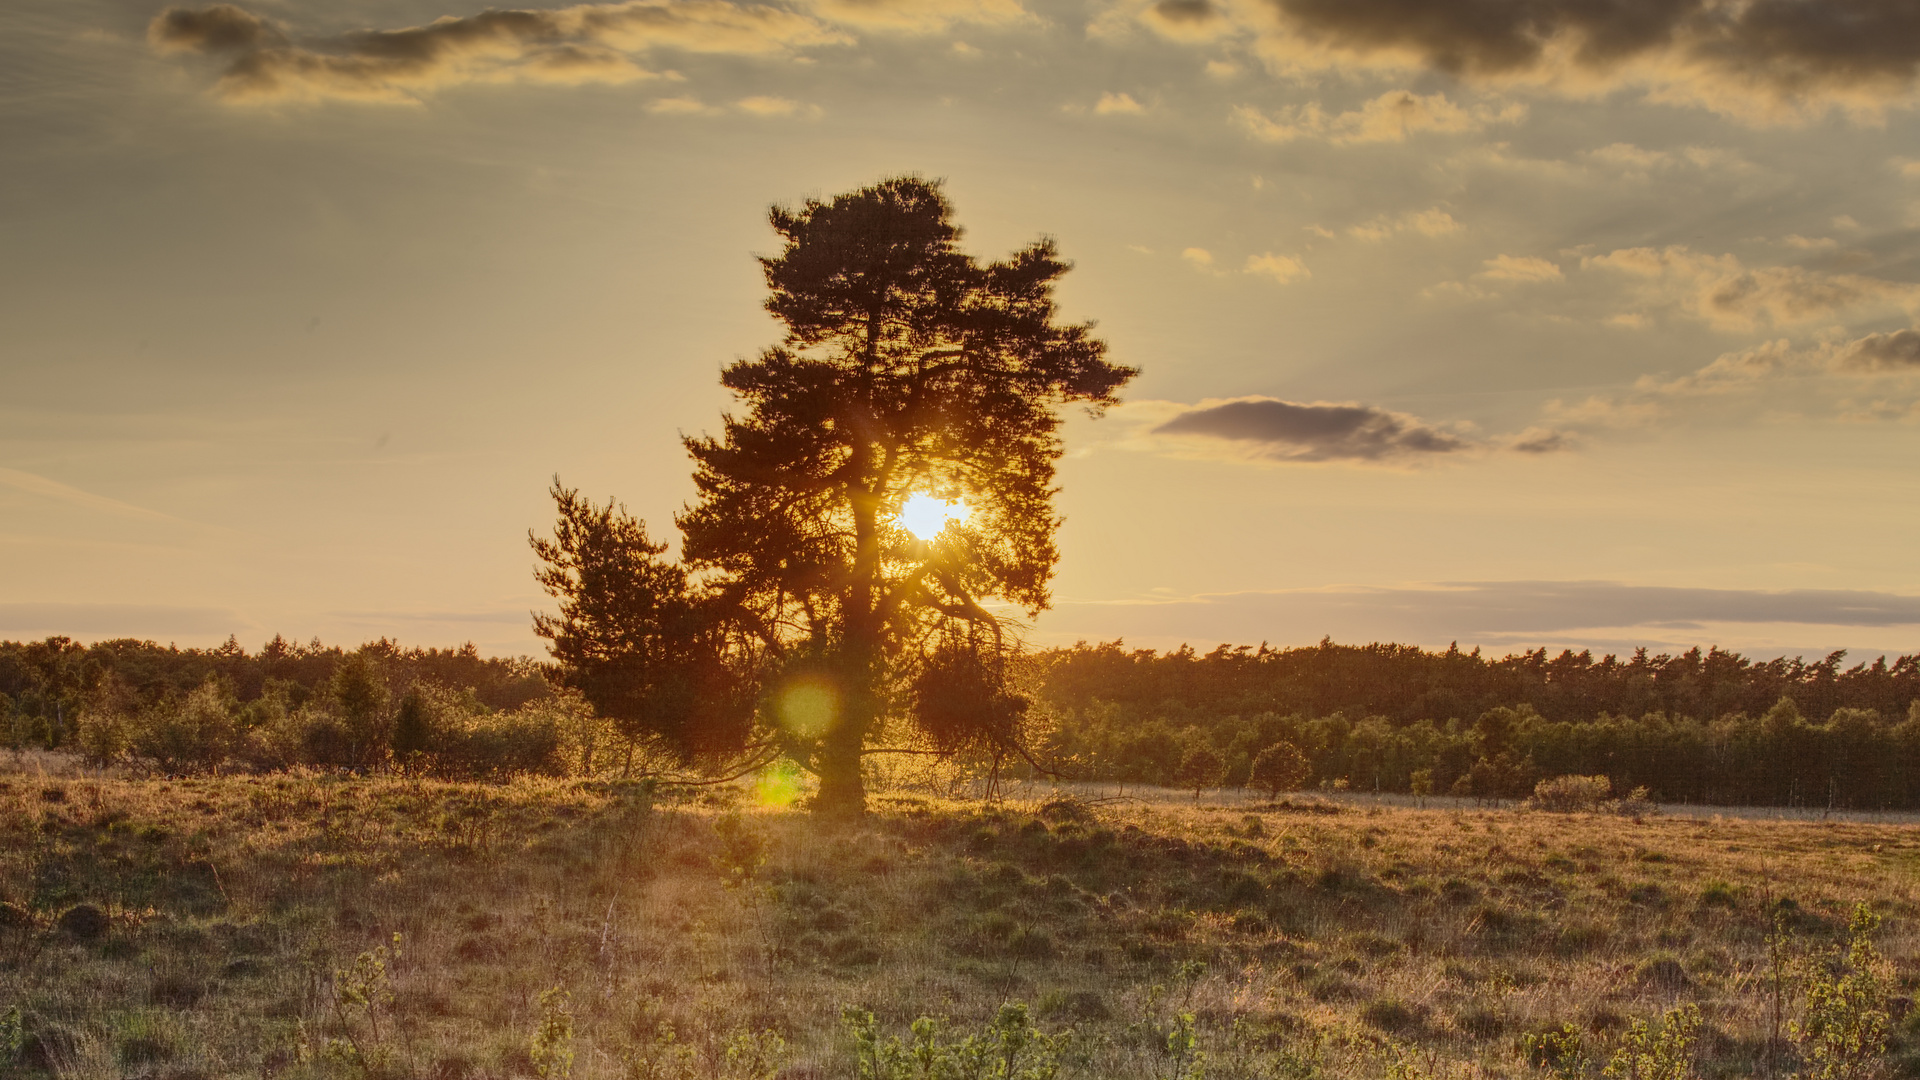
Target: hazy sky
x,y
1515,322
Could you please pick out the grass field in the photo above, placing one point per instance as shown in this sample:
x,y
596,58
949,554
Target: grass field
x,y
236,927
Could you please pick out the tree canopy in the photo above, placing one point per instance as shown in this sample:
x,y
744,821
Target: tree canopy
x,y
907,369
638,642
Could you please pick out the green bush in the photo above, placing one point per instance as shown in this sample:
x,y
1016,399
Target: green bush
x,y
194,735
1571,794
1280,767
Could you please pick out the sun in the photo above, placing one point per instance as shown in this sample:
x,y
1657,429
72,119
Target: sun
x,y
925,516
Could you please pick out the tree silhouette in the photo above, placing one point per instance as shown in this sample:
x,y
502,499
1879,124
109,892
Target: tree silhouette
x,y
642,645
907,368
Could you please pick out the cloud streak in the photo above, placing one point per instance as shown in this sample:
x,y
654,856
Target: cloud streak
x,y
1885,360
1389,118
1497,613
1731,296
53,489
1758,60
572,45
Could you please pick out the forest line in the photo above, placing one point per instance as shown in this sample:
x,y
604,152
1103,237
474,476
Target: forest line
x,y
1701,726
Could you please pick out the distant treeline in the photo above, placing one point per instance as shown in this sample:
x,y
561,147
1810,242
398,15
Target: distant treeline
x,y
1711,727
448,712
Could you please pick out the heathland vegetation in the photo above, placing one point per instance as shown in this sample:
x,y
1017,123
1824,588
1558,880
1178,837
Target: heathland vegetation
x,y
312,925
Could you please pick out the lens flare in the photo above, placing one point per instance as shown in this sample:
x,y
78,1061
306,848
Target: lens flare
x,y
925,516
809,707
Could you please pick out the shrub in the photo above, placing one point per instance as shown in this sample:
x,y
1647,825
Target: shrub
x,y
1657,1053
1010,1047
1844,1033
1200,768
1562,1052
183,737
1571,794
83,921
1393,1015
551,1048
504,745
1280,767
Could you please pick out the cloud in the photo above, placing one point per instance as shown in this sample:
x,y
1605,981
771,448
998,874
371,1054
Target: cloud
x,y
1764,61
684,105
1433,222
1284,269
1898,352
1110,104
1186,20
570,45
1391,117
1317,431
1501,614
1540,440
1876,359
1520,268
1198,256
921,16
762,105
1629,157
1731,296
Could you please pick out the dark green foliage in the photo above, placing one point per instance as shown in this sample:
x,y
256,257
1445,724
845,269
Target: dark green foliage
x,y
84,922
1200,768
1126,715
906,368
645,648
59,693
962,700
412,729
1280,767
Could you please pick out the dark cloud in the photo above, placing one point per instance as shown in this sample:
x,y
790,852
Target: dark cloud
x,y
1186,11
1291,431
583,43
1880,353
1505,613
219,28
1858,53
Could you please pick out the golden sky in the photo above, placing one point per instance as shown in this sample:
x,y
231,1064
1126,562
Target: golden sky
x,y
1511,322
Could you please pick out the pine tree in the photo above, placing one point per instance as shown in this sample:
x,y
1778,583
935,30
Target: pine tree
x,y
907,369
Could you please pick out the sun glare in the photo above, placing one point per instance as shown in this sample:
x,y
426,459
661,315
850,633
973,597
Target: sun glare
x,y
924,516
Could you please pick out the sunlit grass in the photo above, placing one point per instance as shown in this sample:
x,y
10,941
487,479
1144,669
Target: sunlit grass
x,y
235,908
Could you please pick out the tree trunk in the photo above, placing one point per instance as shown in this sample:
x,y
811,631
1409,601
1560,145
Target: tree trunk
x,y
843,791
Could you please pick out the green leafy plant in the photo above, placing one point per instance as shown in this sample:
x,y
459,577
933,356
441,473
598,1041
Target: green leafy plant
x,y
13,1035
362,994
1844,1033
1186,1061
1010,1047
755,1057
1657,1053
1562,1053
665,1057
551,1047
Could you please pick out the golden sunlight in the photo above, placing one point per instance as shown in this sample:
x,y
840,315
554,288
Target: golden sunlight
x,y
809,707
925,516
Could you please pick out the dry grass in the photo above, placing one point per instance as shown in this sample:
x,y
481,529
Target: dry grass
x,y
1350,943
